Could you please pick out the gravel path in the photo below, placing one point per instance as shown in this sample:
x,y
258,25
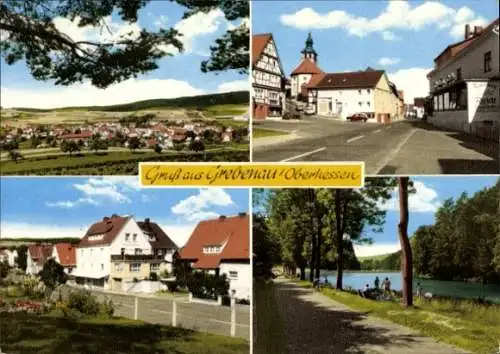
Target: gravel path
x,y
315,323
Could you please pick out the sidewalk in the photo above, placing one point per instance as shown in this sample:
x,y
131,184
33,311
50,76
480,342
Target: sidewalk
x,y
314,323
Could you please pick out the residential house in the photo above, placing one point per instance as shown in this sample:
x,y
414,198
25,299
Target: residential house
x,y
9,256
306,73
464,84
344,94
222,246
36,257
268,78
65,255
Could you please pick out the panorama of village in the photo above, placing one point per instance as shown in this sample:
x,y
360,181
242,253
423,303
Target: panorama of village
x,y
128,277
305,107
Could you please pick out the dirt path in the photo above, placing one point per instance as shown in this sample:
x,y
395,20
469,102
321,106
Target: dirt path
x,y
315,324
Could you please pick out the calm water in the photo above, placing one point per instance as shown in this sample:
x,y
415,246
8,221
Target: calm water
x,y
358,280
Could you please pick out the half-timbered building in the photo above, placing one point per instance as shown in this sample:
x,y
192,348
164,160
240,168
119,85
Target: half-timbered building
x,y
268,78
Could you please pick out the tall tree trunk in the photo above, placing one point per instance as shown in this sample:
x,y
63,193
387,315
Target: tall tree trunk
x,y
302,272
318,249
340,237
406,265
310,195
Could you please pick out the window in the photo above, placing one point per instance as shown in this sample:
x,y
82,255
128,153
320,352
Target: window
x,y
368,103
135,267
102,250
118,267
127,236
134,237
360,103
368,91
154,267
487,62
137,251
359,92
102,266
159,252
122,251
233,274
459,74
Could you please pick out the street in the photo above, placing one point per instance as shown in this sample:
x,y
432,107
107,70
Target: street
x,y
405,147
196,316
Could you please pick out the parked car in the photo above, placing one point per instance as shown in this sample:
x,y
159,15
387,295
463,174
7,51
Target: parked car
x,y
358,117
310,110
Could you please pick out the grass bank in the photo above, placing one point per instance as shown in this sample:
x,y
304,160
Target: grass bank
x,y
268,333
461,323
264,133
26,333
225,110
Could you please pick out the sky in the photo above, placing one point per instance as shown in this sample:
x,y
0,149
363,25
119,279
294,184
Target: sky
x,y
177,76
401,37
430,194
66,207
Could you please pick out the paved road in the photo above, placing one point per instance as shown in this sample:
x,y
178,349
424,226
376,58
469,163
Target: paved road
x,y
406,147
199,317
315,324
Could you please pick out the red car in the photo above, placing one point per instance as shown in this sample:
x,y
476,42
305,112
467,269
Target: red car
x,y
358,117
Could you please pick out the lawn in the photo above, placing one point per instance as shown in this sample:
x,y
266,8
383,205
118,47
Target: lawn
x,y
225,110
268,333
264,133
27,333
461,323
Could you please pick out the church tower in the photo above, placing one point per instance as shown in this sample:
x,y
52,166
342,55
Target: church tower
x,y
308,52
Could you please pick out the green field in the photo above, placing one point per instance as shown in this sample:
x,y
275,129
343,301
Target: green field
x,y
461,323
264,133
375,258
115,162
225,110
26,333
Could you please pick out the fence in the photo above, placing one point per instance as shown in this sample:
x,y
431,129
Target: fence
x,y
231,320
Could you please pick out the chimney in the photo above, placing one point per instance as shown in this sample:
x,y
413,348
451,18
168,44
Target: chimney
x,y
105,218
467,31
242,214
222,217
478,30
146,221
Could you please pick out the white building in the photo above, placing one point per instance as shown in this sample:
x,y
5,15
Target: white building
x,y
268,78
113,240
344,94
9,256
222,246
36,256
464,84
65,255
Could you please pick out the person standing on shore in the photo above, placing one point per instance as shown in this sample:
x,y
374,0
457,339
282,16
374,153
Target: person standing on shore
x,y
377,283
387,285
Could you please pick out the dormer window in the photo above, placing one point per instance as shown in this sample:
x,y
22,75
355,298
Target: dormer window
x,y
96,237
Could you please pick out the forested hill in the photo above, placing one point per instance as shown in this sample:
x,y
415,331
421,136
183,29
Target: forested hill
x,y
194,102
15,242
390,261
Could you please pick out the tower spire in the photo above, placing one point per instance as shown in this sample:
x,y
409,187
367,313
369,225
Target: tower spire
x,y
308,52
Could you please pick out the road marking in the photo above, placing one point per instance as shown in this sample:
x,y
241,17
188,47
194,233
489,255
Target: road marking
x,y
355,138
377,131
226,322
304,154
392,154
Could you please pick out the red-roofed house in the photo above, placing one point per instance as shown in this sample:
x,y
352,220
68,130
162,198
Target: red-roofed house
x,y
65,255
222,246
36,256
268,78
465,84
116,250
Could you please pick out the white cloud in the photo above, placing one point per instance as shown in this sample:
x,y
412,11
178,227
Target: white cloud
x,y
376,249
397,15
161,21
424,200
385,61
86,95
194,208
20,230
99,190
231,86
412,81
390,36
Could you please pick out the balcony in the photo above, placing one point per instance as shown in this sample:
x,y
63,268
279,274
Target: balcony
x,y
136,257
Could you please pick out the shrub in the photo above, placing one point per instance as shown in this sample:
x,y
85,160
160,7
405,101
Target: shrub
x,y
243,301
34,288
107,308
153,276
84,302
226,300
207,286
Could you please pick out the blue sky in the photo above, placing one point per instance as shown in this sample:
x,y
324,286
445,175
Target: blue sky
x,y
58,207
179,75
429,196
402,37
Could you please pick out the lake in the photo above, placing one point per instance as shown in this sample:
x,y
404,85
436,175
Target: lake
x,y
358,280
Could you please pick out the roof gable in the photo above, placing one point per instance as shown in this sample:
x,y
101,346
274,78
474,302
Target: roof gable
x,y
161,239
232,231
108,227
259,43
66,254
307,66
